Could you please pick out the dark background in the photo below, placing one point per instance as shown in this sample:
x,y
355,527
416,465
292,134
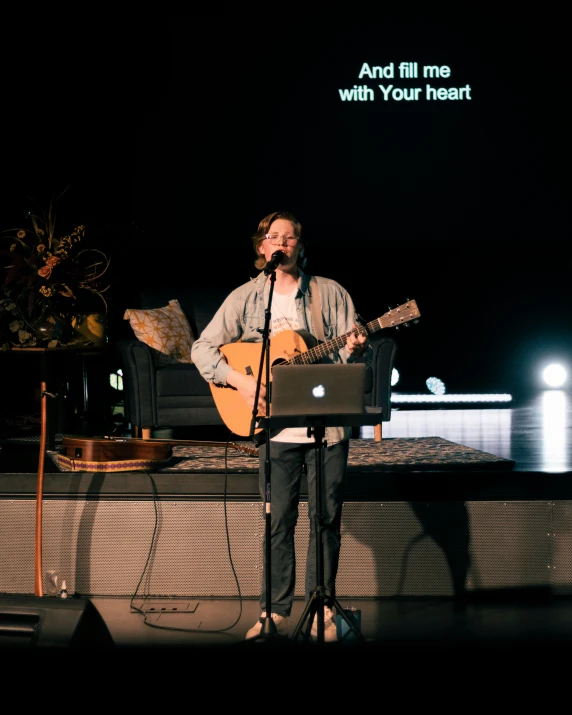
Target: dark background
x,y
177,135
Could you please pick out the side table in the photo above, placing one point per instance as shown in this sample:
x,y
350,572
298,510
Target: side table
x,y
55,372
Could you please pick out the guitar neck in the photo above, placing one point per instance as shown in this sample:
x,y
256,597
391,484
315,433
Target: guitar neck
x,y
323,349
172,442
393,318
195,443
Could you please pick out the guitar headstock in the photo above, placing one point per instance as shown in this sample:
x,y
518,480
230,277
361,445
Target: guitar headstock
x,y
401,315
253,452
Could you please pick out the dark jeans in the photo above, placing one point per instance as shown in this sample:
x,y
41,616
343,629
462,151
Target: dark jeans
x,y
286,469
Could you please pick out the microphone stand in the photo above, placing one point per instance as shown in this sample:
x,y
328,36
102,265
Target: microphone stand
x,y
268,629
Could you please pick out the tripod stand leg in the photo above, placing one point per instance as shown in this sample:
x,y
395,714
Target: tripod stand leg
x,y
315,608
307,617
320,596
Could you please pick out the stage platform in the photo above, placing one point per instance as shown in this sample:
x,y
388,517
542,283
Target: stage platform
x,y
526,449
423,545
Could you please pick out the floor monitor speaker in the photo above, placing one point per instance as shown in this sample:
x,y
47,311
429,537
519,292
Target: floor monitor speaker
x,y
48,622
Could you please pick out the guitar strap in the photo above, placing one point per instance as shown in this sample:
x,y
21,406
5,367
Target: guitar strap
x,y
316,308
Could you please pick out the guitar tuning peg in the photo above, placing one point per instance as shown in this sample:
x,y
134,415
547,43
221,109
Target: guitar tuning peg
x,y
416,321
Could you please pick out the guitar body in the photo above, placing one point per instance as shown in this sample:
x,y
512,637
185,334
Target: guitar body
x,y
245,357
288,347
112,450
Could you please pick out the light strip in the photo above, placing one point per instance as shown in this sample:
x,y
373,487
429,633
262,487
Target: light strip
x,y
396,398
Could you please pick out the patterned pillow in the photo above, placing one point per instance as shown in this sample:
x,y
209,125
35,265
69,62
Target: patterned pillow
x,y
166,330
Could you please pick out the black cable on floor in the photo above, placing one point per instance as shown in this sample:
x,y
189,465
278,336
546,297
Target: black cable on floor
x,y
135,609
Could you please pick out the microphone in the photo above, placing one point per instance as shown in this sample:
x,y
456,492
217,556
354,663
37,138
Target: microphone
x,y
276,260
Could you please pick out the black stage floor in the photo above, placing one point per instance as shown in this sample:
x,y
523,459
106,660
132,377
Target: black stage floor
x,y
532,623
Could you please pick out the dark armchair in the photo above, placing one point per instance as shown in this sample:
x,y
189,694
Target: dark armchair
x,y
176,395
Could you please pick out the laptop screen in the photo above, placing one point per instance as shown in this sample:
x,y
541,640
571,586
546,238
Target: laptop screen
x,y
317,389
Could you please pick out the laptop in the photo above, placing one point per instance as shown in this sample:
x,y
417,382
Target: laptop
x,y
317,389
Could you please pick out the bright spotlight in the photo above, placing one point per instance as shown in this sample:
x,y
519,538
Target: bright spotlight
x,y
435,385
554,375
394,377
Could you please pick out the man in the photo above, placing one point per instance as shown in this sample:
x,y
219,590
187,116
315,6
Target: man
x,y
240,317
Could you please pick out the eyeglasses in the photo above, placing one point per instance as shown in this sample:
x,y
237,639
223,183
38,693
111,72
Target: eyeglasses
x,y
275,240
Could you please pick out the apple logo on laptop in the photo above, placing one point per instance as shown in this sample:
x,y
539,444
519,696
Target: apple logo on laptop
x,y
319,391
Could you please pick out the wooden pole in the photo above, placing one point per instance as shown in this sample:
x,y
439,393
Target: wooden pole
x,y
38,591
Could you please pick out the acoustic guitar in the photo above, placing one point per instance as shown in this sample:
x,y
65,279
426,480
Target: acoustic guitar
x,y
290,347
112,449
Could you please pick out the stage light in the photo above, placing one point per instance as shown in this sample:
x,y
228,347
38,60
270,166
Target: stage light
x,y
435,386
394,377
554,375
474,398
116,380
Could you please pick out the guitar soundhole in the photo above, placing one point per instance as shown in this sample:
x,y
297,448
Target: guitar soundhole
x,y
78,453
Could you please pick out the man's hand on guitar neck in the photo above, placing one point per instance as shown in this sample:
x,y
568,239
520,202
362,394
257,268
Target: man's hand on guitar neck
x,y
246,387
356,342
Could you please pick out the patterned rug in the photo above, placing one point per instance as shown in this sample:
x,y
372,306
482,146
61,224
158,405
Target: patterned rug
x,y
389,455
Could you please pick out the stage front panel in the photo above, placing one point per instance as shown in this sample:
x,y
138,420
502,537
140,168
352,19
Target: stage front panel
x,y
209,548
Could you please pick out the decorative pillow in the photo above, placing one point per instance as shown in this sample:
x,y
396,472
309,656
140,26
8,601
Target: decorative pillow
x,y
166,330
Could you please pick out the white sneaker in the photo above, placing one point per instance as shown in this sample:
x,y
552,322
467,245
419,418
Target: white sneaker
x,y
330,630
282,628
